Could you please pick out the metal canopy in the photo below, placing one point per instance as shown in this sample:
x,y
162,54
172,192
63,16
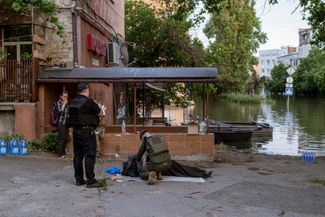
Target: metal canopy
x,y
127,75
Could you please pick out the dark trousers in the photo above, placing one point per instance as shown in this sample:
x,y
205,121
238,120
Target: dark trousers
x,y
63,134
84,145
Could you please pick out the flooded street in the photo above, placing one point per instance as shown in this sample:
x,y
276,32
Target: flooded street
x,y
297,126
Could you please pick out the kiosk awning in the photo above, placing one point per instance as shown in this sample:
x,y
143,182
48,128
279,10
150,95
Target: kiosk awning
x,y
127,75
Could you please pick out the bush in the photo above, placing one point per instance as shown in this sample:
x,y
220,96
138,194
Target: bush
x,y
244,98
35,145
50,142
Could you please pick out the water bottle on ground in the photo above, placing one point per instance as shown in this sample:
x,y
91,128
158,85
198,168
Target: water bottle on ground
x,y
308,156
3,148
123,127
202,127
14,146
23,147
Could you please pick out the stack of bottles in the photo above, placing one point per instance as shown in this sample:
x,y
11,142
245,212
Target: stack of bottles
x,y
14,147
3,147
308,156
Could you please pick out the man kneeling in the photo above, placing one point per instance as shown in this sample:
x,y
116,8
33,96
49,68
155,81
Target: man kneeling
x,y
157,160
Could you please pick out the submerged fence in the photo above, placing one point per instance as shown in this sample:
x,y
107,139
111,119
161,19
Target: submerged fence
x,y
15,80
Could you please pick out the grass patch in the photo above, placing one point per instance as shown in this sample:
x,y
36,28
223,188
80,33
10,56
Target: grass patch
x,y
103,184
245,98
317,181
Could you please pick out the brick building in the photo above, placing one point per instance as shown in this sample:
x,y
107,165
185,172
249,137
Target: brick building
x,y
93,37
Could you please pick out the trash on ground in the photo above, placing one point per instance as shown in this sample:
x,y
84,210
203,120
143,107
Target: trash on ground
x,y
113,170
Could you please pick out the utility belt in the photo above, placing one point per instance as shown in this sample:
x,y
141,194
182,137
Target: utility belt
x,y
85,128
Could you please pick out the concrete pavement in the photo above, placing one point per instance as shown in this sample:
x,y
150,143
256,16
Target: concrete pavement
x,y
243,185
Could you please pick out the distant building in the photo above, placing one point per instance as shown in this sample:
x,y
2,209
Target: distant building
x,y
269,58
287,55
305,36
290,59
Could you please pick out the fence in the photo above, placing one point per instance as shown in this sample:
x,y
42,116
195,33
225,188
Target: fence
x,y
15,80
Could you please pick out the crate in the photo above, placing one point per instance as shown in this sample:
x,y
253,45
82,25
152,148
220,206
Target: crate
x,y
192,129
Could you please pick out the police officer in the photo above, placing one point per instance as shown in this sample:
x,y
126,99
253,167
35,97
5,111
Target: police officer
x,y
84,118
158,157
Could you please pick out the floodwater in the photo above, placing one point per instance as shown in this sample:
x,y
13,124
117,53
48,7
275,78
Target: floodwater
x,y
298,124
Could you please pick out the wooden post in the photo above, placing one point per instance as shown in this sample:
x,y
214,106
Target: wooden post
x,y
135,108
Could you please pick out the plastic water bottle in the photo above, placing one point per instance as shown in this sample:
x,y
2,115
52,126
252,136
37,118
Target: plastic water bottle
x,y
23,147
3,148
202,127
123,127
308,156
14,147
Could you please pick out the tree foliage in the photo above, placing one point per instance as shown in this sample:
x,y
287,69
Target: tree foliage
x,y
25,7
276,84
314,13
160,36
309,78
236,34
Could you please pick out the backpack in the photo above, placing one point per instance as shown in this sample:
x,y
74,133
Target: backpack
x,y
130,167
54,117
158,151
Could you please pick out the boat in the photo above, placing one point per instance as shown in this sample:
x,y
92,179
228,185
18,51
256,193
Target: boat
x,y
239,131
231,134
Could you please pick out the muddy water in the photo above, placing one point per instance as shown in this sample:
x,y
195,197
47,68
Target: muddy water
x,y
297,126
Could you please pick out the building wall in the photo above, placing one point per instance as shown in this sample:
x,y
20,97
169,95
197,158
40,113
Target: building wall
x,y
181,146
270,58
267,60
305,37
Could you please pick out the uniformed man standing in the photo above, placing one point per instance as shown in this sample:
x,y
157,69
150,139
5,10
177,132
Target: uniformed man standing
x,y
84,118
157,160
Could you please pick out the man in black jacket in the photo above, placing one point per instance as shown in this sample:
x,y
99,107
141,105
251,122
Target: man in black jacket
x,y
84,118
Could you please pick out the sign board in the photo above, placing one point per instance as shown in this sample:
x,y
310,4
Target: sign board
x,y
289,80
289,85
288,91
96,45
290,70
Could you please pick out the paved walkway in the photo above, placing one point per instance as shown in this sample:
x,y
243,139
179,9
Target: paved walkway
x,y
245,185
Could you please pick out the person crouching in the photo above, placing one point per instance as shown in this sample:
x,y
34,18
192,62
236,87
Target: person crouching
x,y
158,158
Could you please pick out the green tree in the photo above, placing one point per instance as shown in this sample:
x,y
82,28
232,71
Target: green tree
x,y
236,34
309,78
314,13
276,84
25,8
160,36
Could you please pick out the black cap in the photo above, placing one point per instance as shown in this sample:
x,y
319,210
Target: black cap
x,y
82,86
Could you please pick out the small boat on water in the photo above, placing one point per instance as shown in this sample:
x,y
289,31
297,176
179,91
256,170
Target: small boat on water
x,y
239,131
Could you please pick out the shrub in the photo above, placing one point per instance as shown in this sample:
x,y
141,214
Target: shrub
x,y
50,142
35,145
244,98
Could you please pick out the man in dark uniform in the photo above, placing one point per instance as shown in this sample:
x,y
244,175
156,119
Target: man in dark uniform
x,y
157,160
84,117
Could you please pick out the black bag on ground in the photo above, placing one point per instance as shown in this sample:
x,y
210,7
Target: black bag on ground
x,y
130,167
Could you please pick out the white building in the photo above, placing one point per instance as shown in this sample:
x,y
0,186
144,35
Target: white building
x,y
269,58
290,59
287,55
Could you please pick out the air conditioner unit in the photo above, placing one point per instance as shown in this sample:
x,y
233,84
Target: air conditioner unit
x,y
113,53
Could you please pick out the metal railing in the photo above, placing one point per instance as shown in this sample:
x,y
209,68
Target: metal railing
x,y
15,80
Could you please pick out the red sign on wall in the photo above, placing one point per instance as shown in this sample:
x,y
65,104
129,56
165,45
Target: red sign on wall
x,y
95,44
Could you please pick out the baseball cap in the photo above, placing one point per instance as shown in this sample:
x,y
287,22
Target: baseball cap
x,y
82,86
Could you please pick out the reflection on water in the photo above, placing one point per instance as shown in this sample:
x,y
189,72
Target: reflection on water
x,y
298,125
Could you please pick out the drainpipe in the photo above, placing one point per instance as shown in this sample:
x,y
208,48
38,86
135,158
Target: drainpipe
x,y
74,33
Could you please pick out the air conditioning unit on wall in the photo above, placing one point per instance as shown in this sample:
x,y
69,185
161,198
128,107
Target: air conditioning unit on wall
x,y
113,53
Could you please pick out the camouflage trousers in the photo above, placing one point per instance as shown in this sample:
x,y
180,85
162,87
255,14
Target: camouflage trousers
x,y
144,171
